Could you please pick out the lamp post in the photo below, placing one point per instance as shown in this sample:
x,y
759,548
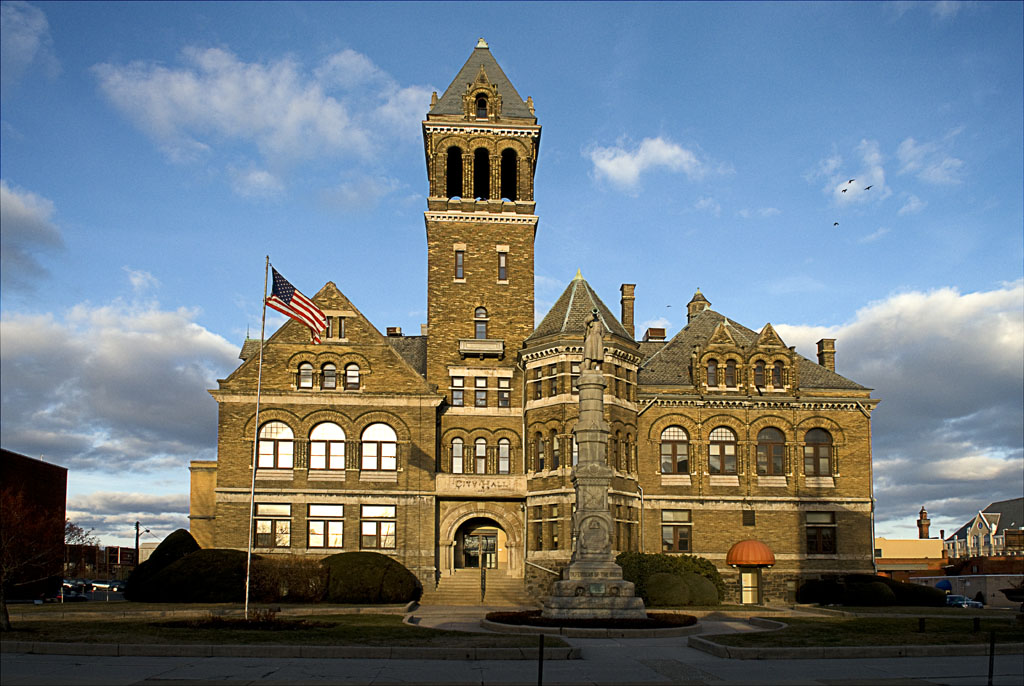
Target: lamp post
x,y
138,532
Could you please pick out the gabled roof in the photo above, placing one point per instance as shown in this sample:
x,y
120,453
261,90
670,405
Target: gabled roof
x,y
511,104
572,310
670,366
1001,515
413,350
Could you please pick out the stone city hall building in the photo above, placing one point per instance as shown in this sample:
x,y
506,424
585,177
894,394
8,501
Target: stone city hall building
x,y
452,451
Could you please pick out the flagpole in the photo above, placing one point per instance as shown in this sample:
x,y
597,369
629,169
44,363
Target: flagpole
x,y
256,440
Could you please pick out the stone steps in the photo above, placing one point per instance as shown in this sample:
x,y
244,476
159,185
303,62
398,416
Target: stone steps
x,y
463,588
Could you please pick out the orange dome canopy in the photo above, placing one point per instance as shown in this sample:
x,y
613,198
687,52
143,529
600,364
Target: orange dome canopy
x,y
750,553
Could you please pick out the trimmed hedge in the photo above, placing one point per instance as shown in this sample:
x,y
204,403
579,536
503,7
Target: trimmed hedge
x,y
205,576
365,577
290,579
866,590
173,548
639,567
665,589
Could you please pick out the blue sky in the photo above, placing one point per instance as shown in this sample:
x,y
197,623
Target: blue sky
x,y
153,153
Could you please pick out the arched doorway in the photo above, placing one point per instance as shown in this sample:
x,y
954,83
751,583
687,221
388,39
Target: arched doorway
x,y
481,542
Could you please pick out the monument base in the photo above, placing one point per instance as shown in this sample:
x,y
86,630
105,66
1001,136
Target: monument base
x,y
593,591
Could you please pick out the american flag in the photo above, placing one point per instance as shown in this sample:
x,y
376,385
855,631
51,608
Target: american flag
x,y
286,299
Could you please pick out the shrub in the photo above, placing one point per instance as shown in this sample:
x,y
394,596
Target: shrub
x,y
365,577
702,590
820,591
665,589
871,594
176,546
205,576
290,579
638,568
905,593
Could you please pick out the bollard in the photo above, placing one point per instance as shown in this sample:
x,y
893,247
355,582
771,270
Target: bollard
x,y
977,625
991,655
540,663
920,625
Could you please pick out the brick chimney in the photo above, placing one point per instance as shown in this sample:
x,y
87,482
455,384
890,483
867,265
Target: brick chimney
x,y
654,334
627,290
923,523
827,353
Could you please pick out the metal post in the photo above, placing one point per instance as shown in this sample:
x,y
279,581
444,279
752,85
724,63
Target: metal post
x,y
991,655
540,664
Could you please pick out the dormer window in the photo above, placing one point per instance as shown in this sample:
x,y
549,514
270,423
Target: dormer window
x,y
481,107
712,373
777,375
759,374
730,374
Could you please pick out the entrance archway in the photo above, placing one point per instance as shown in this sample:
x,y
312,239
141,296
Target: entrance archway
x,y
480,542
480,520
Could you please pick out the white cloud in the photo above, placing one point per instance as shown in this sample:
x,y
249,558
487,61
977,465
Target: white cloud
x,y
255,183
659,323
111,388
866,183
24,40
360,194
27,233
944,9
872,237
930,161
708,204
403,110
141,280
762,212
348,69
948,367
912,205
623,167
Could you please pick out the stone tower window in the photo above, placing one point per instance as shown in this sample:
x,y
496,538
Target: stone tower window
x,y
759,374
480,323
509,174
712,373
453,179
328,376
352,377
555,452
305,379
480,453
730,374
504,455
481,174
777,375
481,107
457,466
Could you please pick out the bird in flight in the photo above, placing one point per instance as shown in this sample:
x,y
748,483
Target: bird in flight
x,y
868,188
850,181
836,224
843,191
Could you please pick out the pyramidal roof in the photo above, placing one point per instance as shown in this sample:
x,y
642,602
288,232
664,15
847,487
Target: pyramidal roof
x,y
572,310
511,104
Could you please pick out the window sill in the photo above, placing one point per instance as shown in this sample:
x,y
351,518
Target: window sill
x,y
675,480
367,475
819,482
772,481
725,480
274,474
326,475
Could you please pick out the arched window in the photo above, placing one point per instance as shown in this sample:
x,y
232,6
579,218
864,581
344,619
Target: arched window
x,y
277,446
675,451
352,377
730,374
453,181
722,451
556,452
620,450
771,446
712,373
327,447
777,375
629,453
481,174
539,444
380,448
480,323
509,174
457,465
575,451
305,379
504,456
481,107
759,374
818,453
480,453
328,376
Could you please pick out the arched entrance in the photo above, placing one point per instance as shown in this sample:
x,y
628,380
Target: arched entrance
x,y
480,542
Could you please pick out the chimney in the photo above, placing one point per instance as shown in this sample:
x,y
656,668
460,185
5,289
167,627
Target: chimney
x,y
394,331
423,329
653,334
942,534
628,298
827,353
696,305
923,523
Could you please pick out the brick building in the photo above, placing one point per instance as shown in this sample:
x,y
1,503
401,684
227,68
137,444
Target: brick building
x,y
452,450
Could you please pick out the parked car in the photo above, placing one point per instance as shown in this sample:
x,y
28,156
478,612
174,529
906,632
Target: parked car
x,y
112,585
962,601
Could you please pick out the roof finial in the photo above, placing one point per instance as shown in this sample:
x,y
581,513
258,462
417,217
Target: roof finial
x,y
481,43
579,275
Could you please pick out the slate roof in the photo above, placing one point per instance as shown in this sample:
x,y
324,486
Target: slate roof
x,y
670,366
249,348
511,104
413,350
1008,514
569,314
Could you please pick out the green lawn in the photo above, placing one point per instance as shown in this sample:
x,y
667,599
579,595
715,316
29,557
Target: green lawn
x,y
361,629
877,631
925,611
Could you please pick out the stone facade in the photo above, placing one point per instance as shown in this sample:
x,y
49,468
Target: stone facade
x,y
455,448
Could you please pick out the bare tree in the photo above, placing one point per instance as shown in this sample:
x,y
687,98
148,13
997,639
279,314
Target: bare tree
x,y
31,549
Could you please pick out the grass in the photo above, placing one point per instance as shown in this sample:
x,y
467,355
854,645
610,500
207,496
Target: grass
x,y
925,611
354,630
876,631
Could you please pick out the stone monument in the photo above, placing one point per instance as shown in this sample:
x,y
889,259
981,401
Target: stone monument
x,y
592,585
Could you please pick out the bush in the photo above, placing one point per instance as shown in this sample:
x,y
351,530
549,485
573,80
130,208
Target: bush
x,y
702,590
905,593
871,594
639,567
205,576
666,589
365,577
173,548
290,579
820,591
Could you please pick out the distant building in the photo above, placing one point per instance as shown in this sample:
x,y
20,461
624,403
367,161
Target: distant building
x,y
901,559
996,530
453,450
34,498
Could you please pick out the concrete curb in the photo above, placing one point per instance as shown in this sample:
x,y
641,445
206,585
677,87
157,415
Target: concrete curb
x,y
278,651
573,632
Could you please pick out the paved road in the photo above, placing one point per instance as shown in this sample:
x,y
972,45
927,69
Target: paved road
x,y
605,661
